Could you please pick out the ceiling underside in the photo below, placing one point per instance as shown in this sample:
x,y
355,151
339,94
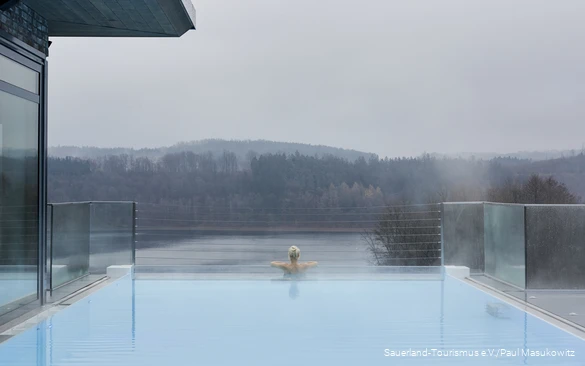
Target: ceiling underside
x,y
116,18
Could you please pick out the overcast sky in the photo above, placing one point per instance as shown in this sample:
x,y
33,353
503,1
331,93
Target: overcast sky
x,y
385,76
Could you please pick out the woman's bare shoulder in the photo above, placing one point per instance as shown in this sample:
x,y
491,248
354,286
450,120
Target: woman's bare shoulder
x,y
309,264
282,265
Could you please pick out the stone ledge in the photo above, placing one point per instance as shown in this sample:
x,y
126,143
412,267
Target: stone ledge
x,y
120,271
460,272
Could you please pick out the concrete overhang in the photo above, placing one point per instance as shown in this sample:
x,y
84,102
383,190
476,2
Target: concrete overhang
x,y
116,18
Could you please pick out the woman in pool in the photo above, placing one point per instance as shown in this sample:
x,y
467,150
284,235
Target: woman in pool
x,y
294,268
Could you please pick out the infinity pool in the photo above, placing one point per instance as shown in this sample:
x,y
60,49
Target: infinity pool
x,y
174,322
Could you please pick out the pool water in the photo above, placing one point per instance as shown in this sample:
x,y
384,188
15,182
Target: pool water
x,y
168,322
15,290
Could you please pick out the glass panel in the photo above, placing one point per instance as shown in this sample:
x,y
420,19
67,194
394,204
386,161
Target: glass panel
x,y
111,235
504,243
70,242
463,235
49,246
18,201
555,247
19,75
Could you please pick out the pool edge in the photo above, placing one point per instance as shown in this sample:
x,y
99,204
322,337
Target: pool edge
x,y
36,316
542,314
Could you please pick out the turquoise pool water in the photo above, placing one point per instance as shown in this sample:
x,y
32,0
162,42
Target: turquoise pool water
x,y
166,322
14,289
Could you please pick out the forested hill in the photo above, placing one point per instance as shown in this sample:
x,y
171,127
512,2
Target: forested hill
x,y
525,155
297,180
244,150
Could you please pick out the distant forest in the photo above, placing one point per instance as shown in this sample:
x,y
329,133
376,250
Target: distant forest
x,y
293,181
244,150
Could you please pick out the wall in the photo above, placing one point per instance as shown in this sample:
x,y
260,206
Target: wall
x,y
23,23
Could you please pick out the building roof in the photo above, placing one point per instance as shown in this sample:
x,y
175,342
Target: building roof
x,y
116,18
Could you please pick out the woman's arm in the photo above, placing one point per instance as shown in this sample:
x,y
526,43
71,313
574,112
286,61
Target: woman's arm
x,y
280,265
310,264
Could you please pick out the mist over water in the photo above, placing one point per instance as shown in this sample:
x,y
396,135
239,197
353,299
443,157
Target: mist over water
x,y
188,248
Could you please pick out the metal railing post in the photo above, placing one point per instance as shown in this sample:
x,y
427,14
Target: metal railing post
x,y
525,209
50,255
442,222
133,233
42,189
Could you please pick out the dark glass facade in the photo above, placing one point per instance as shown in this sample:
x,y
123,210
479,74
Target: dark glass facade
x,y
21,186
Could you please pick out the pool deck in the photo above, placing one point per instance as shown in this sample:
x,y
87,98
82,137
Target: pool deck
x,y
567,304
59,300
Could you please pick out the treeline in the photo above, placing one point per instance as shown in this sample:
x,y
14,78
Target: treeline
x,y
243,149
269,181
535,190
217,187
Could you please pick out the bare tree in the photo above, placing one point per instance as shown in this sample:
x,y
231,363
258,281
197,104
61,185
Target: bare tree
x,y
406,235
535,190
